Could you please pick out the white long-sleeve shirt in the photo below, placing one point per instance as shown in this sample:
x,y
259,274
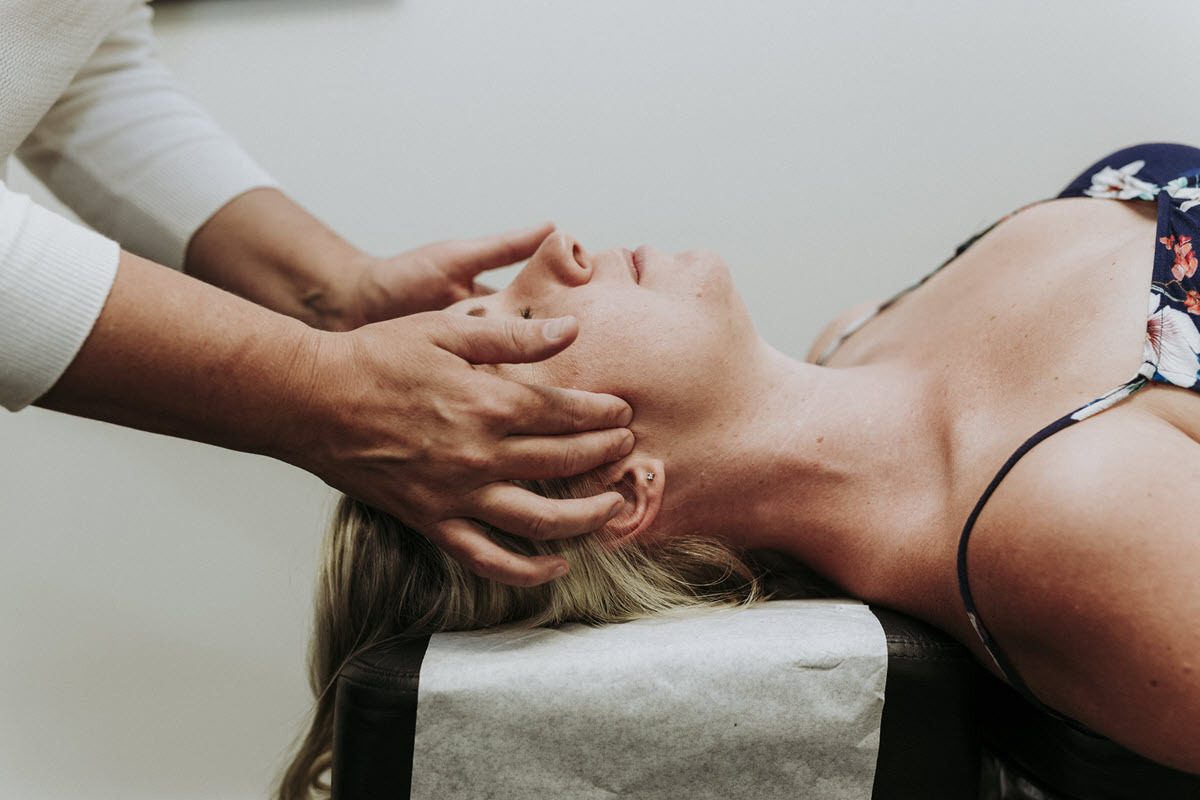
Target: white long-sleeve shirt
x,y
91,110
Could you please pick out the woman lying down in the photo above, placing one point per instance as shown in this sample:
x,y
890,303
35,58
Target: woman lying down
x,y
1007,450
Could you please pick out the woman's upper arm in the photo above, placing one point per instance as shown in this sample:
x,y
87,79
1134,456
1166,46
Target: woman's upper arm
x,y
1087,575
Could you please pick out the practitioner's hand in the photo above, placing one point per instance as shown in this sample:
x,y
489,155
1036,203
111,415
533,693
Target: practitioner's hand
x,y
399,419
436,275
265,248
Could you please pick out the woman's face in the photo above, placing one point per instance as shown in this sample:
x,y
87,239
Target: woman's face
x,y
668,333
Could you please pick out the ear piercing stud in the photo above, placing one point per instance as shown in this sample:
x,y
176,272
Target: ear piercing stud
x,y
649,476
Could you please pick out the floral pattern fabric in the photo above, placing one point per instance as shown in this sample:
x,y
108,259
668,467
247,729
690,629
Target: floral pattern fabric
x,y
1168,174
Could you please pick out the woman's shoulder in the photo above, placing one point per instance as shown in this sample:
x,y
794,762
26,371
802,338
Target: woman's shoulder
x,y
1122,473
1084,565
1120,487
836,327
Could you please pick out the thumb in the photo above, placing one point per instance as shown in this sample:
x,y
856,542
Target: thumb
x,y
506,341
492,252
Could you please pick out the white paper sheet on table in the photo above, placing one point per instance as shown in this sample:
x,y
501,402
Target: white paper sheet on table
x,y
780,700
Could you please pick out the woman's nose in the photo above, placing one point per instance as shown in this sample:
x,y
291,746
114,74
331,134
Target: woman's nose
x,y
564,259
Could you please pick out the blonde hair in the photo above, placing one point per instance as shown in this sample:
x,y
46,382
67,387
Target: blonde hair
x,y
379,580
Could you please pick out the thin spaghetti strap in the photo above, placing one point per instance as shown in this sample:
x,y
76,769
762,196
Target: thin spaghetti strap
x,y
849,331
853,327
964,586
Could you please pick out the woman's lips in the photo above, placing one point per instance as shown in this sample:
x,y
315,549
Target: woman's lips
x,y
635,268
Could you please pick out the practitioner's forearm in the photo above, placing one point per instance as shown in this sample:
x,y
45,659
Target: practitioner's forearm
x,y
172,355
266,248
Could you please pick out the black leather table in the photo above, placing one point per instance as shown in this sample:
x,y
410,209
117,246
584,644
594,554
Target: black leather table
x,y
1029,755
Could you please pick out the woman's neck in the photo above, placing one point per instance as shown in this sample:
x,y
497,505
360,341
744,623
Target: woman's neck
x,y
841,468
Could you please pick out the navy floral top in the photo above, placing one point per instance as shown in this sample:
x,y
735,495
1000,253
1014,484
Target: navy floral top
x,y
1165,174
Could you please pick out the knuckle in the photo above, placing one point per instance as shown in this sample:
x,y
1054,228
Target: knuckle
x,y
423,518
510,251
444,541
473,459
444,250
617,411
440,326
423,509
514,335
617,441
494,408
540,526
570,462
428,262
576,411
481,565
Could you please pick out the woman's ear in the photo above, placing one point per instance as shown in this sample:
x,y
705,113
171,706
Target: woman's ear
x,y
640,479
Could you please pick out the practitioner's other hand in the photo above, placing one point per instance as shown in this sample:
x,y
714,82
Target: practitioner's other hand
x,y
264,247
436,275
399,418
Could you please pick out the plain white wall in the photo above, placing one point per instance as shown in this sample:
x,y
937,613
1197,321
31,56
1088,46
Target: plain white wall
x,y
155,593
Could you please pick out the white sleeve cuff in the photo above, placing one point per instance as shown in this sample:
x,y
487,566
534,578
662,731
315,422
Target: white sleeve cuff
x,y
55,277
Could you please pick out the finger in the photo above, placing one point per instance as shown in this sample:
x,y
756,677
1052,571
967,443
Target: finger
x,y
503,341
545,457
463,541
546,410
480,290
521,512
492,252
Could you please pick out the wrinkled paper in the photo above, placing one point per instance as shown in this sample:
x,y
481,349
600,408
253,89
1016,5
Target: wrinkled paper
x,y
779,700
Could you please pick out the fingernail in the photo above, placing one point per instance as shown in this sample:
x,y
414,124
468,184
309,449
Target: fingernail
x,y
627,444
625,418
554,329
616,509
558,571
